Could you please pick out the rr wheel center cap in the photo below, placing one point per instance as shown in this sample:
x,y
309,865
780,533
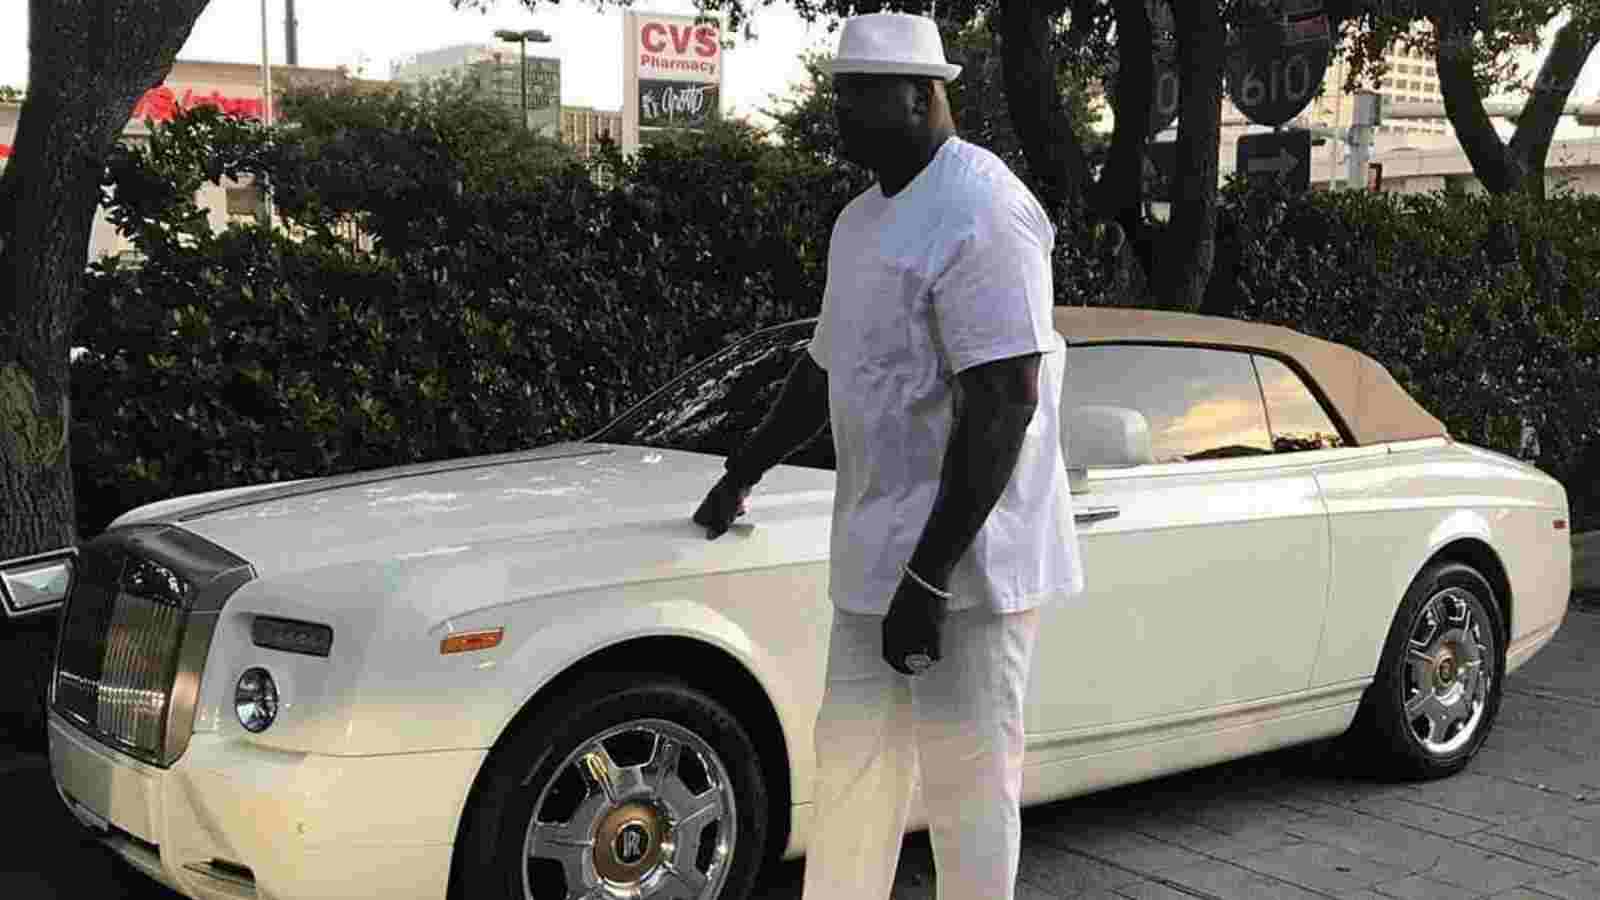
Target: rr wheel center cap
x,y
628,843
1447,671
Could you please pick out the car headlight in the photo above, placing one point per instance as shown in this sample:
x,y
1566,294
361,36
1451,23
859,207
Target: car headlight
x,y
255,699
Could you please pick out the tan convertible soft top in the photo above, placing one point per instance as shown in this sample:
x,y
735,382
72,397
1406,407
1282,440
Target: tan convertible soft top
x,y
1372,405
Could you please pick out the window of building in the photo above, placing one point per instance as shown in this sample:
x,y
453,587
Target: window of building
x,y
1295,417
1200,403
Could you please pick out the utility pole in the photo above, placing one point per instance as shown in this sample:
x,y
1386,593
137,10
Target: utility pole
x,y
291,38
1364,124
266,109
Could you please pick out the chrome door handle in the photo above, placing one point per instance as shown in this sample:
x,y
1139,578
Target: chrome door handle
x,y
1096,514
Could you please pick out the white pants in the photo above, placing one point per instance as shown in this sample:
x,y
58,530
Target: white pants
x,y
958,726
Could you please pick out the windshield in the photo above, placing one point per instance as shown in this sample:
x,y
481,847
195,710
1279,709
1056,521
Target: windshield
x,y
716,406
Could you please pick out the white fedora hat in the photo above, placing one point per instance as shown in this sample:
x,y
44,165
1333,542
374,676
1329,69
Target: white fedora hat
x,y
892,44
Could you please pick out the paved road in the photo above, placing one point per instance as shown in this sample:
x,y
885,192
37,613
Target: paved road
x,y
1523,823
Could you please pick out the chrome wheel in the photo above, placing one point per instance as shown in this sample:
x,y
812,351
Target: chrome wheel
x,y
1450,671
645,809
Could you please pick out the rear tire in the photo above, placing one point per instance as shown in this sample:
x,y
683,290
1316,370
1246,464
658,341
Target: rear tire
x,y
638,782
1439,681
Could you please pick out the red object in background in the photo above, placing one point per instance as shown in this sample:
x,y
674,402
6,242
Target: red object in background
x,y
161,104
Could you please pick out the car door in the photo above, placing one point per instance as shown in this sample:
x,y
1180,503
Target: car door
x,y
1207,565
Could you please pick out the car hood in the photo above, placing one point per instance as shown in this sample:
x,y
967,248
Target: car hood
x,y
416,511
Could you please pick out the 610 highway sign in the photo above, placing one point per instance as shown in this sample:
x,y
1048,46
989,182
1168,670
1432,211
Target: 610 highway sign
x,y
1276,63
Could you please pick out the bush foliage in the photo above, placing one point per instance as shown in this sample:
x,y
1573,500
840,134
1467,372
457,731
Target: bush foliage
x,y
495,311
500,294
1506,354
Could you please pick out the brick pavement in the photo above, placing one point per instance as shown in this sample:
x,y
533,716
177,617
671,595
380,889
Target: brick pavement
x,y
1521,823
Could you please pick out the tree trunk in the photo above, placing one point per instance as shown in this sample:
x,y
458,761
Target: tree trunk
x,y
1119,195
1191,236
1463,104
90,60
1042,124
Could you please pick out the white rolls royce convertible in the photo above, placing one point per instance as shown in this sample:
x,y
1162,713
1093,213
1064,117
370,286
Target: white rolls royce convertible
x,y
530,676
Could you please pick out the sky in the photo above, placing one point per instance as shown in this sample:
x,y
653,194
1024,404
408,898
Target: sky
x,y
370,34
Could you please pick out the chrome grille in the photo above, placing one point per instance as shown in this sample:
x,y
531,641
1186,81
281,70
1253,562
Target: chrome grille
x,y
137,676
120,639
144,606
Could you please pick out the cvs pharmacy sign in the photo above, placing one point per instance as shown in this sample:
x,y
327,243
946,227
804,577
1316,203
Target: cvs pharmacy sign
x,y
676,47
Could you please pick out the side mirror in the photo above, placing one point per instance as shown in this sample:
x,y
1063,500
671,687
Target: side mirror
x,y
31,585
1106,437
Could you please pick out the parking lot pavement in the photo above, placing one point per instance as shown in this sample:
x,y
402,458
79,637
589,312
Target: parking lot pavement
x,y
1522,823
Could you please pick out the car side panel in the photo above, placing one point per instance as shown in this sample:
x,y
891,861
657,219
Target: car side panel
x,y
1207,588
1391,513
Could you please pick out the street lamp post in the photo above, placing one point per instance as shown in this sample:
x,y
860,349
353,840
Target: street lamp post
x,y
522,38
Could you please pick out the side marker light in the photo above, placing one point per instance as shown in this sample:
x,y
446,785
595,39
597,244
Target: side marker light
x,y
470,641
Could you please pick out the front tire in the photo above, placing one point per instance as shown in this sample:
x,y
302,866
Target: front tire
x,y
633,785
1439,681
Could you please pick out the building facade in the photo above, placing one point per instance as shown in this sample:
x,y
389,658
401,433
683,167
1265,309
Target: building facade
x,y
583,128
1411,77
493,70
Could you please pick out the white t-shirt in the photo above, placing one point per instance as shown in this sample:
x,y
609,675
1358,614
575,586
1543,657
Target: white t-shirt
x,y
950,273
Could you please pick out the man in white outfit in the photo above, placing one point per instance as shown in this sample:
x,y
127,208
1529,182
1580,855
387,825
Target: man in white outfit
x,y
936,363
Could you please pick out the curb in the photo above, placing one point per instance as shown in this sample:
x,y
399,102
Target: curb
x,y
1586,562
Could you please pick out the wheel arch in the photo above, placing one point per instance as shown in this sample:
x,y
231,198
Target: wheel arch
x,y
702,665
1480,556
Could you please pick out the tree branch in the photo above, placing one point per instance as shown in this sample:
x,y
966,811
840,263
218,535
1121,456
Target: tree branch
x,y
1463,103
1536,127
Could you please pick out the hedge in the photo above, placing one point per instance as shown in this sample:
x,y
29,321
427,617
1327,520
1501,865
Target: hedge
x,y
1492,348
502,319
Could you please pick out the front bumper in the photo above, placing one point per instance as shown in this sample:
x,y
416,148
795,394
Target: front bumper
x,y
232,820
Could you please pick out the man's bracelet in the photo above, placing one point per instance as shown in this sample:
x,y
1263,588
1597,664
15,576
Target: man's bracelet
x,y
946,596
